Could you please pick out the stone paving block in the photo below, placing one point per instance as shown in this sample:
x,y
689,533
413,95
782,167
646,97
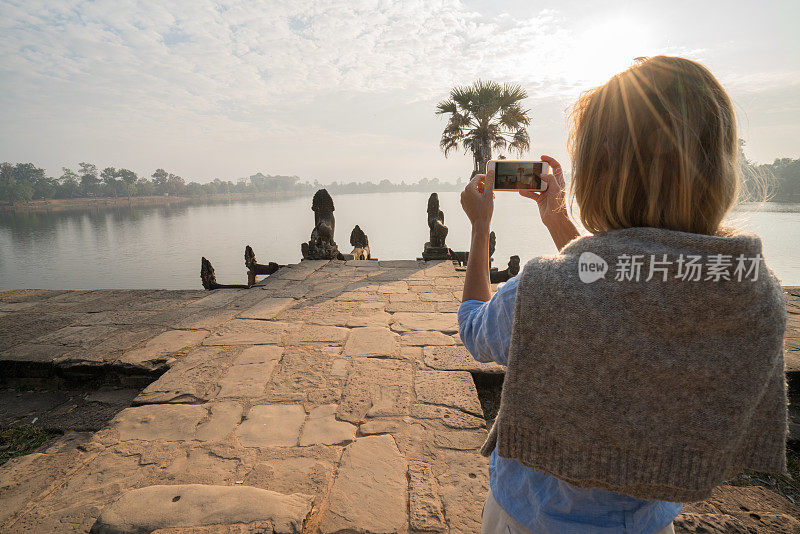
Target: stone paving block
x,y
222,419
322,428
380,426
463,482
164,345
165,506
425,507
449,307
267,309
371,478
340,367
251,371
300,271
376,386
402,264
372,341
458,358
442,322
448,388
462,440
437,296
272,425
77,336
191,379
412,306
168,422
319,334
426,338
450,417
249,332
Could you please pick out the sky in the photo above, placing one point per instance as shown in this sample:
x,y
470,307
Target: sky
x,y
347,90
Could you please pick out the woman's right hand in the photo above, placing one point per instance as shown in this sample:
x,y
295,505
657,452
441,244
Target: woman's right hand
x,y
552,206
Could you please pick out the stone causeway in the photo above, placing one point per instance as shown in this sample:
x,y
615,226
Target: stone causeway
x,y
333,397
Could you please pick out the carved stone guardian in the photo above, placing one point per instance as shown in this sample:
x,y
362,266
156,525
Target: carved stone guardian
x,y
360,244
436,248
321,246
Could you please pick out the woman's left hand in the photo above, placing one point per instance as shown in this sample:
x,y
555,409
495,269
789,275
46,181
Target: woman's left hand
x,y
477,199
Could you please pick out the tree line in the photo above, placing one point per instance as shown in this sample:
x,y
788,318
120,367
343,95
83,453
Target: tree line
x,y
23,182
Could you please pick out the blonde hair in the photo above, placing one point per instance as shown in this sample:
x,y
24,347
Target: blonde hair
x,y
655,146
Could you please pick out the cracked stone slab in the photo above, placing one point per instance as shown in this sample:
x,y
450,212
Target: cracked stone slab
x,y
371,477
371,341
272,425
174,422
164,345
458,358
191,379
267,309
441,322
319,334
450,417
448,388
189,505
322,428
376,387
248,332
426,338
251,371
425,507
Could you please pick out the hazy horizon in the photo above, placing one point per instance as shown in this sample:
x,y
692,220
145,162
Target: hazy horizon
x,y
347,92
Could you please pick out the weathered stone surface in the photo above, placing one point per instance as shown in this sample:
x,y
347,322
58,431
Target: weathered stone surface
x,y
339,368
426,338
691,523
461,440
164,345
370,490
322,428
267,309
458,358
168,422
450,417
448,388
191,379
273,425
379,426
379,387
249,374
175,422
747,508
248,332
319,334
463,482
411,307
222,419
442,322
371,341
425,507
155,507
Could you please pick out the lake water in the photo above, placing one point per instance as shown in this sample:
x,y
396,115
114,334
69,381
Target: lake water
x,y
161,246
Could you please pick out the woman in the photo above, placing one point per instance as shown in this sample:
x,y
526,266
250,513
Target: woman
x,y
645,361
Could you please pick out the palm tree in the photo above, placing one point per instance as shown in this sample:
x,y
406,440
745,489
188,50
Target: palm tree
x,y
485,116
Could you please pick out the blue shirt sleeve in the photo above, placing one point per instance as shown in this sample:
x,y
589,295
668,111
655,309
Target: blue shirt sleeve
x,y
485,327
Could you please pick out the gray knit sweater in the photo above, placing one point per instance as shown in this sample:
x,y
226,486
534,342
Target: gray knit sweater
x,y
657,389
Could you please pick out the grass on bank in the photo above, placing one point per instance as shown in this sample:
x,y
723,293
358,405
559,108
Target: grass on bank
x,y
21,440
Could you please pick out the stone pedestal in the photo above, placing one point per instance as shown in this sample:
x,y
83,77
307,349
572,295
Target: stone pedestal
x,y
435,253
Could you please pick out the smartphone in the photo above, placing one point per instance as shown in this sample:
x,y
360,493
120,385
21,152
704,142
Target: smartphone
x,y
518,175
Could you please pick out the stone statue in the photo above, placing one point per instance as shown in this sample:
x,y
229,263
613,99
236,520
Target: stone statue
x,y
360,244
209,279
436,249
492,244
506,274
321,246
254,268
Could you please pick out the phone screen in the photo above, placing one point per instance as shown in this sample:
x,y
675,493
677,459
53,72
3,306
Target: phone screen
x,y
514,175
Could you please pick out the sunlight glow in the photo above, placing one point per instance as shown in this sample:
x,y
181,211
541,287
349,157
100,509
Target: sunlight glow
x,y
607,47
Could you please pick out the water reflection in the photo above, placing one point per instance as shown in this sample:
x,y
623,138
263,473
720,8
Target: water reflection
x,y
161,246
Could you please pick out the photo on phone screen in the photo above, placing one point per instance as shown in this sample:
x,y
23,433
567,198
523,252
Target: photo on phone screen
x,y
518,175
